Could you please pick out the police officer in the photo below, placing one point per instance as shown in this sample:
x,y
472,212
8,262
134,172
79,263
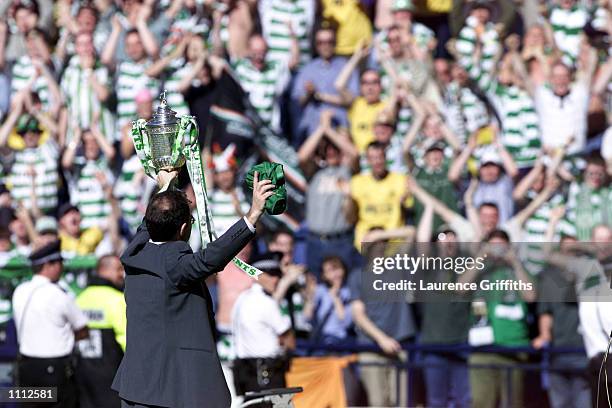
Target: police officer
x,y
48,323
101,353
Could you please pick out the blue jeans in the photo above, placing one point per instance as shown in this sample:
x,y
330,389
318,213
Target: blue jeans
x,y
568,390
317,249
447,381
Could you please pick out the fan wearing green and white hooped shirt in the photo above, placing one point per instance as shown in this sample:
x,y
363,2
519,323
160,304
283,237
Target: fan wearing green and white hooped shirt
x,y
402,71
535,228
402,18
175,66
34,176
86,85
34,71
265,80
129,189
464,111
515,109
227,202
590,200
130,78
478,35
88,174
568,19
278,19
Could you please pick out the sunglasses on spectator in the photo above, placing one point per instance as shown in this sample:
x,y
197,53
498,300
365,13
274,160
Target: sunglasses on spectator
x,y
330,41
370,82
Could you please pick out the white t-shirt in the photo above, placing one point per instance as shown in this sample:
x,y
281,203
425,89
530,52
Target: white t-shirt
x,y
563,117
46,318
256,324
595,303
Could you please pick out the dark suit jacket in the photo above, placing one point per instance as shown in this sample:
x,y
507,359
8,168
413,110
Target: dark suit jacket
x,y
170,358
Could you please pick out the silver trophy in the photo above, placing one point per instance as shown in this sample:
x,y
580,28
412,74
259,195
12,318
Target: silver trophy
x,y
162,131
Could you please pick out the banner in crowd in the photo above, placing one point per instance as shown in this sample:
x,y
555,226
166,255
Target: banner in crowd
x,y
234,120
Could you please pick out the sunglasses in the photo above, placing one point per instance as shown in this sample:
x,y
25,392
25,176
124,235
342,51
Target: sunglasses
x,y
371,82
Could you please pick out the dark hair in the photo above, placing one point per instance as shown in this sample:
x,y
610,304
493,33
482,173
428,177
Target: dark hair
x,y
278,233
596,160
31,6
488,204
498,234
166,213
132,31
334,259
90,8
376,145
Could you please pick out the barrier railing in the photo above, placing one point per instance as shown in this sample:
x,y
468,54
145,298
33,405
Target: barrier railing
x,y
412,363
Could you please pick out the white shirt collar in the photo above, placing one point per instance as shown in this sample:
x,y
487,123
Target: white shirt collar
x,y
40,278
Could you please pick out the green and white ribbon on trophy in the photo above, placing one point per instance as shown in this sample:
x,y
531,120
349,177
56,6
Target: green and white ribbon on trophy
x,y
167,142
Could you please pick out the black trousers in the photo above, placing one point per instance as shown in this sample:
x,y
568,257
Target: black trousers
x,y
49,372
130,404
594,366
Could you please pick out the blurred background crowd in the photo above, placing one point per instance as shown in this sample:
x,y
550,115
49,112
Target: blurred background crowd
x,y
411,120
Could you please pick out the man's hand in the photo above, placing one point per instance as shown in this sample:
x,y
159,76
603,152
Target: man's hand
x,y
164,178
261,191
389,345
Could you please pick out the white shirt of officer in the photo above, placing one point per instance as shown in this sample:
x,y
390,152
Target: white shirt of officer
x,y
257,322
46,330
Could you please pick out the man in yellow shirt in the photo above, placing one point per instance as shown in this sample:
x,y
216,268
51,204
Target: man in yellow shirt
x,y
364,109
378,197
74,241
353,24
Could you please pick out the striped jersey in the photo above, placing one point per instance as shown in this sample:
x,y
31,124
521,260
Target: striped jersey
x,y
81,97
534,231
264,88
44,160
172,79
468,39
131,79
274,16
567,25
516,110
128,193
223,211
588,208
87,193
421,34
470,113
23,70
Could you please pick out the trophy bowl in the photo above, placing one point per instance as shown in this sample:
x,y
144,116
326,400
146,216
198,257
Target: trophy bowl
x,y
162,131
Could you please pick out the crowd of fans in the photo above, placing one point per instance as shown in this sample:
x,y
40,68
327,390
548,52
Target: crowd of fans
x,y
433,120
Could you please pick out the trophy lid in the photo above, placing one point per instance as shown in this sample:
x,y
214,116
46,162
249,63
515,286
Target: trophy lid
x,y
164,115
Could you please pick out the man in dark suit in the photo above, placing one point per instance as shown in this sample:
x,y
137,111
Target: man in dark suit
x,y
170,358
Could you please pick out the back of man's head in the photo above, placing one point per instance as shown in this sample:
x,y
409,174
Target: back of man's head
x,y
165,215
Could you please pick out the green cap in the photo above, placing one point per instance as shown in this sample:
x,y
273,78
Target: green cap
x,y
27,123
399,5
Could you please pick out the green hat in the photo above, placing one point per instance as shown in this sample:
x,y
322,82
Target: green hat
x,y
399,5
27,123
276,203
